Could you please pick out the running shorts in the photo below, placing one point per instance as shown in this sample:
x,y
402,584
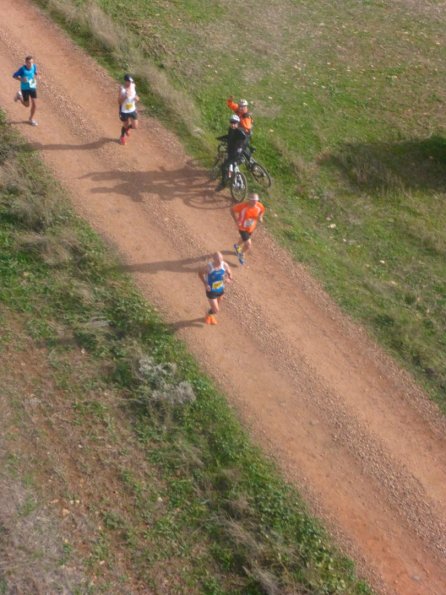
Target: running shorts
x,y
213,295
123,116
245,235
27,93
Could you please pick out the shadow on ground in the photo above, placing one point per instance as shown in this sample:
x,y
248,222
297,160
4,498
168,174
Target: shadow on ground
x,y
186,265
97,144
173,327
187,183
418,164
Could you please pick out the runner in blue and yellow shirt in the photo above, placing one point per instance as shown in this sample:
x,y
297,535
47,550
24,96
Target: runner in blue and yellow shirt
x,y
214,275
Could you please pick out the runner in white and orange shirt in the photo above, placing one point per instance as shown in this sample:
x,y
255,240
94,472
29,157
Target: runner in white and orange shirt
x,y
128,114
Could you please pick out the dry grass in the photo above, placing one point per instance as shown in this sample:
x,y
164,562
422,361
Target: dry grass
x,y
245,539
28,201
52,249
33,540
62,532
175,100
111,36
267,581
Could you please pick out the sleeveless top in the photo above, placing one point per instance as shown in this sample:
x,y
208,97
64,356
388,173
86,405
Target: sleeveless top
x,y
129,104
216,278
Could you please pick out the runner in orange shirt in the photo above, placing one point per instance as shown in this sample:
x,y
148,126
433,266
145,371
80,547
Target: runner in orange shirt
x,y
246,215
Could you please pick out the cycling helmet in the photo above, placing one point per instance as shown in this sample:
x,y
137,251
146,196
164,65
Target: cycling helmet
x,y
128,78
243,103
234,118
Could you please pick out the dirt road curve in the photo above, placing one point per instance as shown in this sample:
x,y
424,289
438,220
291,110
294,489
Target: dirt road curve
x,y
343,422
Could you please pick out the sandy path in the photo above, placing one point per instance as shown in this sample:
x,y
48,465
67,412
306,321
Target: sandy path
x,y
344,423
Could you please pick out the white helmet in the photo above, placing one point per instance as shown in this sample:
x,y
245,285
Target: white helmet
x,y
234,118
243,103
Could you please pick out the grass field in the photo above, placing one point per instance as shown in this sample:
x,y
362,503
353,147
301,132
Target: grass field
x,y
121,465
349,102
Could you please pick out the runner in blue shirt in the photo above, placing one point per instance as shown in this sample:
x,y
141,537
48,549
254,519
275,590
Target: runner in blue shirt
x,y
27,75
214,275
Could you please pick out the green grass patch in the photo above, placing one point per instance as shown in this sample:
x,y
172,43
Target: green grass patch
x,y
348,100
213,504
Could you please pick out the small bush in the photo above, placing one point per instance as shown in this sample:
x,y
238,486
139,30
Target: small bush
x,y
158,385
52,249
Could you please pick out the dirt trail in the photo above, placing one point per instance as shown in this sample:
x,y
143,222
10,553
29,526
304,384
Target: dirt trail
x,y
346,425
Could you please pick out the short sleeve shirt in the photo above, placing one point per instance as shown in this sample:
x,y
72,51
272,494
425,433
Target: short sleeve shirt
x,y
30,75
247,216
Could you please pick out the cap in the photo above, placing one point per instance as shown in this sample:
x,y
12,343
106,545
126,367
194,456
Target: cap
x,y
128,78
243,103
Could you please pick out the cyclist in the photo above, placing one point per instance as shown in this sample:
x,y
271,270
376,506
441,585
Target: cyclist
x,y
246,216
27,75
236,142
214,275
128,114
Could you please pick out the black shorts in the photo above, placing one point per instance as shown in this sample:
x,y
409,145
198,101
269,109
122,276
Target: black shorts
x,y
213,295
126,116
245,235
27,93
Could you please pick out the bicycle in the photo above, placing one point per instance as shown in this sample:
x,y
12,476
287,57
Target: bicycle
x,y
238,184
258,171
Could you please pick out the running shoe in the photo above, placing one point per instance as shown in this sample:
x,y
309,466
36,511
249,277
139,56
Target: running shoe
x,y
33,122
208,319
214,320
122,140
239,254
18,96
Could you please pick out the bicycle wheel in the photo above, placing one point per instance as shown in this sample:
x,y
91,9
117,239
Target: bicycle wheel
x,y
260,175
239,186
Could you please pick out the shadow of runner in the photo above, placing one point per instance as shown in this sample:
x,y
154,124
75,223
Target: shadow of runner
x,y
418,164
186,265
63,147
193,323
186,183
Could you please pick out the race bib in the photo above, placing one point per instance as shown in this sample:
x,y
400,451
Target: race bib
x,y
249,222
129,106
217,285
